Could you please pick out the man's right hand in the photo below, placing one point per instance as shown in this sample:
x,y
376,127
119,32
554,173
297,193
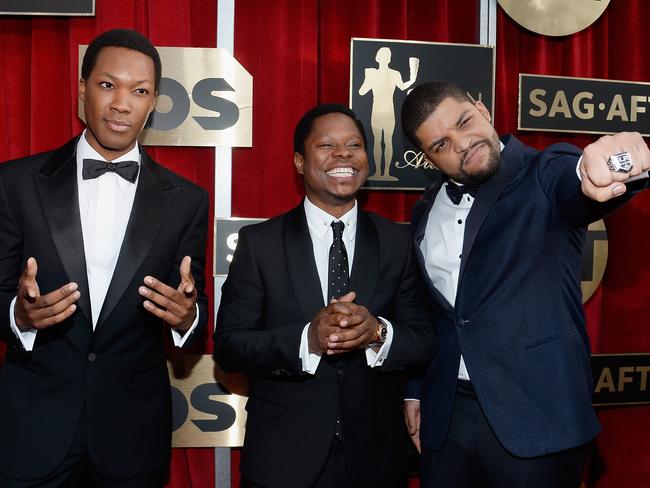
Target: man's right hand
x,y
36,311
326,322
412,418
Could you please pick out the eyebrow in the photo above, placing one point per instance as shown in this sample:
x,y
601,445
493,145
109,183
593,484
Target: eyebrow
x,y
113,77
458,122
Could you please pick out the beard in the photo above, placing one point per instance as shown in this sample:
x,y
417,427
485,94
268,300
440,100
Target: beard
x,y
487,170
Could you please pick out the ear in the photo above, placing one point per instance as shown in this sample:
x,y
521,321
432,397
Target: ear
x,y
483,110
81,89
298,161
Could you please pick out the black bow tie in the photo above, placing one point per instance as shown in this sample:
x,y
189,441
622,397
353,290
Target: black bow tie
x,y
456,192
94,168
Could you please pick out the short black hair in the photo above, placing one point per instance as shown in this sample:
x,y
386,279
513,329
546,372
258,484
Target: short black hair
x,y
423,101
306,122
125,38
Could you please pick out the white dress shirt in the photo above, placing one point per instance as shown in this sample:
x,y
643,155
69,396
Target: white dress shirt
x,y
105,205
320,230
442,247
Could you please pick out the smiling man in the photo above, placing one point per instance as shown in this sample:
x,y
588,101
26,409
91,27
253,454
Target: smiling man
x,y
506,401
322,309
101,253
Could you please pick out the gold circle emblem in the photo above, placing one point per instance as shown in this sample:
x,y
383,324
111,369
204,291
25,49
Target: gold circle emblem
x,y
554,17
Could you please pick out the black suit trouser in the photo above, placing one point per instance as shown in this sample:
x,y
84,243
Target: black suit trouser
x,y
472,456
76,471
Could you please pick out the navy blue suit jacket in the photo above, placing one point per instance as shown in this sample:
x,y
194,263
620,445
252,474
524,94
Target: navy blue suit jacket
x,y
518,317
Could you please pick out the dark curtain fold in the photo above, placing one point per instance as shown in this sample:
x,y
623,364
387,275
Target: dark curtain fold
x,y
298,53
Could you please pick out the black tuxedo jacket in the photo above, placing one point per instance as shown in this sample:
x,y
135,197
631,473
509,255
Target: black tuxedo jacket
x,y
271,293
116,373
518,318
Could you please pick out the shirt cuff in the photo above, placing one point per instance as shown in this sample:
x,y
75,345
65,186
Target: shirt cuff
x,y
309,360
376,359
411,399
180,338
26,337
578,168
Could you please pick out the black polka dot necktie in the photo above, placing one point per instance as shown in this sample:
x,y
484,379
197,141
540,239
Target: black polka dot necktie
x,y
338,275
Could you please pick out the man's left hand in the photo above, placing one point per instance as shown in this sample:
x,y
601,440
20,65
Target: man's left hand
x,y
356,331
599,182
176,306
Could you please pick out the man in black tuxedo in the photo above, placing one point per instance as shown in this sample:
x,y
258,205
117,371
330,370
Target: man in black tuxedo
x,y
324,344
506,401
99,247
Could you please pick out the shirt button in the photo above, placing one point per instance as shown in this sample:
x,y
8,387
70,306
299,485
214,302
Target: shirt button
x,y
92,356
460,221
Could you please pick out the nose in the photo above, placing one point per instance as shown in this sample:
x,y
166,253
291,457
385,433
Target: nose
x,y
463,144
120,103
342,151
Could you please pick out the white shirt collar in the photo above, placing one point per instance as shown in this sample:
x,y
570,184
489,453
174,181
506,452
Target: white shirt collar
x,y
320,221
85,150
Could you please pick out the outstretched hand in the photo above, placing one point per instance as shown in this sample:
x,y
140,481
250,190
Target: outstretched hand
x,y
599,182
36,311
176,306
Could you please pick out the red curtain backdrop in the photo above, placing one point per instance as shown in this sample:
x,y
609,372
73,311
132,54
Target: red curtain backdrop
x,y
298,53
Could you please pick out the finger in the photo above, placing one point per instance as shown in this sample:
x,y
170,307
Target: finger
x,y
62,294
31,269
57,311
172,304
28,279
55,319
416,441
187,280
160,287
338,307
348,297
161,313
603,194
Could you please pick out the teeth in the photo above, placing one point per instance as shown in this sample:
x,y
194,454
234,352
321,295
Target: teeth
x,y
341,172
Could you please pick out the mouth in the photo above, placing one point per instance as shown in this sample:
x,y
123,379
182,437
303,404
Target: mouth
x,y
471,154
343,172
118,125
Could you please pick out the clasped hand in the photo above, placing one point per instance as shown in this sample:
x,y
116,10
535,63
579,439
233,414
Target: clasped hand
x,y
342,326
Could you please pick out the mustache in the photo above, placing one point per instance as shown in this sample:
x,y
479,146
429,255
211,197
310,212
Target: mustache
x,y
469,148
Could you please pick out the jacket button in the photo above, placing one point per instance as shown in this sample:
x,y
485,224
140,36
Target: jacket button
x,y
92,356
462,322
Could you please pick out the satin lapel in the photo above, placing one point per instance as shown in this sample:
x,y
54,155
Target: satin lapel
x,y
487,195
302,271
364,275
429,198
56,184
153,197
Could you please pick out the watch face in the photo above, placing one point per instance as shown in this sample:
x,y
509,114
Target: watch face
x,y
383,333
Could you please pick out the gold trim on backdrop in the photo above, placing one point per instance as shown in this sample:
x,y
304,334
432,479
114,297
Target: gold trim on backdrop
x,y
189,373
599,262
520,103
554,17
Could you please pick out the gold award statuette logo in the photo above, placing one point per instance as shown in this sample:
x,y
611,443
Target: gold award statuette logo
x,y
205,99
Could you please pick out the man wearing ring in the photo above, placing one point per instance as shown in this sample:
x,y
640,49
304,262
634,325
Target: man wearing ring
x,y
506,401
